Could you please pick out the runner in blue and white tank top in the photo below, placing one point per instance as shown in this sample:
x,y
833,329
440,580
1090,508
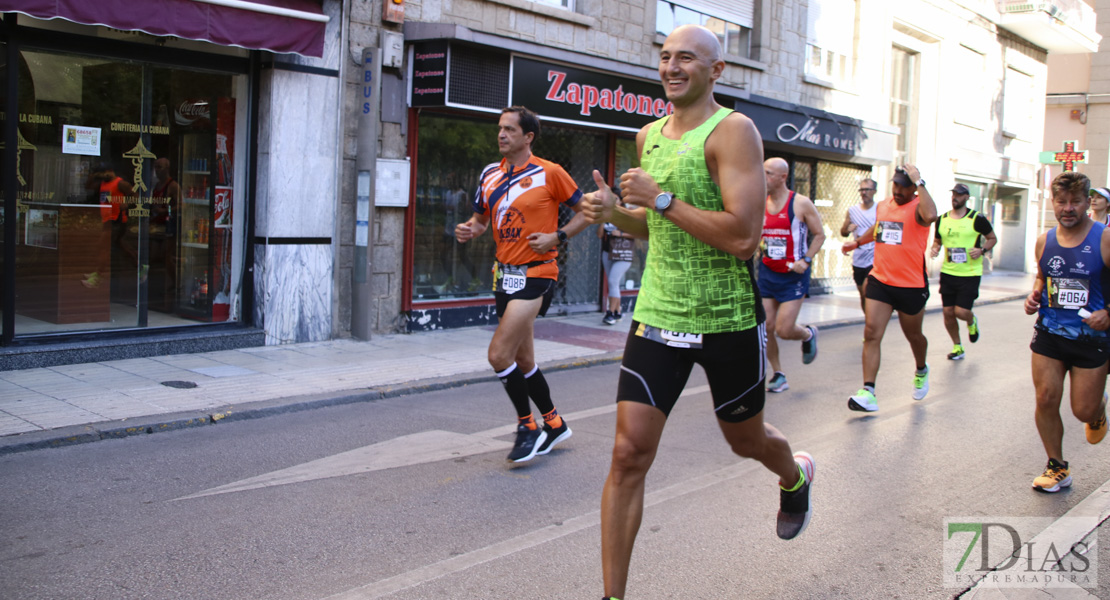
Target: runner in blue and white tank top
x,y
1069,339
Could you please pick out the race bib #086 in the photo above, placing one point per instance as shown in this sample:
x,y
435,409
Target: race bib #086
x,y
1068,293
511,278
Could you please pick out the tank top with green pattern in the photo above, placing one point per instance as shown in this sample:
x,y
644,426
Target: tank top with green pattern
x,y
688,285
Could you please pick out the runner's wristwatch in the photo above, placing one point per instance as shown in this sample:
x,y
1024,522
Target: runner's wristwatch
x,y
921,182
663,202
562,236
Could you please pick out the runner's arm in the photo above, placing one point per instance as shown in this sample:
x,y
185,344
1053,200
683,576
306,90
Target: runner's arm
x,y
867,237
602,207
1033,300
474,226
926,208
847,226
812,220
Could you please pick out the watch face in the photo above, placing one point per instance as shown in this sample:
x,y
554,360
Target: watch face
x,y
663,201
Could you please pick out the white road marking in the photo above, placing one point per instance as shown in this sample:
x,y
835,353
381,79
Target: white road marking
x,y
455,564
404,451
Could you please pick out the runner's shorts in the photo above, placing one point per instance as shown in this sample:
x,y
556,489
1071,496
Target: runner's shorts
x,y
1085,354
654,373
535,287
958,291
782,287
906,300
860,274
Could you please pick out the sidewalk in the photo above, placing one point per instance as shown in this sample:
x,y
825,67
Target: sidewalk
x,y
71,404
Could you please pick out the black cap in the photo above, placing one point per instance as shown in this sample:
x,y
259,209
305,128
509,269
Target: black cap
x,y
960,188
901,178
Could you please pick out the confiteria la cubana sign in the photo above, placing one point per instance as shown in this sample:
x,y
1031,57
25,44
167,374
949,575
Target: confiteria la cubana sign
x,y
578,95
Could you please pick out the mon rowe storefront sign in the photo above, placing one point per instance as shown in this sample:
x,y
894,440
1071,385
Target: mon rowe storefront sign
x,y
569,94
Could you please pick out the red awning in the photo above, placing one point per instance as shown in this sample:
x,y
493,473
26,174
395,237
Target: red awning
x,y
274,25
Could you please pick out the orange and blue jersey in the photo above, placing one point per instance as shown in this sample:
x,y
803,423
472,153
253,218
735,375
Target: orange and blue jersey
x,y
112,201
521,201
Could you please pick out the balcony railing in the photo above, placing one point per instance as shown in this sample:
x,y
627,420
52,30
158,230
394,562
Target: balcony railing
x,y
1059,26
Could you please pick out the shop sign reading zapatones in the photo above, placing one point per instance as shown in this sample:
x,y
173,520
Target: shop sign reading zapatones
x,y
570,94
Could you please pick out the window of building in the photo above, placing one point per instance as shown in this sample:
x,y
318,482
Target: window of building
x,y
128,213
1017,107
972,105
732,22
830,39
903,88
567,4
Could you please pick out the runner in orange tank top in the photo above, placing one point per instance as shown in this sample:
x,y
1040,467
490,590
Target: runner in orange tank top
x,y
897,281
520,196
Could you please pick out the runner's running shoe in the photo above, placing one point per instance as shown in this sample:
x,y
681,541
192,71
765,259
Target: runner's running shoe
x,y
1097,430
554,436
528,441
864,400
921,383
777,383
1055,476
957,353
795,508
609,318
809,347
973,330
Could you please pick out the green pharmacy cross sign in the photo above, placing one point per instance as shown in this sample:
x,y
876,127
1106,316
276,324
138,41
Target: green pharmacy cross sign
x,y
1068,157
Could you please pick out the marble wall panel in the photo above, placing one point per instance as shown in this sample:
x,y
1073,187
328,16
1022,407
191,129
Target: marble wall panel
x,y
293,292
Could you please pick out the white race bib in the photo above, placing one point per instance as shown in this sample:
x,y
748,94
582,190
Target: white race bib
x,y
957,255
776,248
892,233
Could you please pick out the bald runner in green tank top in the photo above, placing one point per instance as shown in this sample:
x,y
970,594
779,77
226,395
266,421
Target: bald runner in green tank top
x,y
688,285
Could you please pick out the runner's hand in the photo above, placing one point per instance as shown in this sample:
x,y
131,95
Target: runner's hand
x,y
1099,320
638,188
848,247
975,253
542,243
1033,302
598,206
463,232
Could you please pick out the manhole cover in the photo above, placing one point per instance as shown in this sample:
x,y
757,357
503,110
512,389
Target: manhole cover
x,y
181,385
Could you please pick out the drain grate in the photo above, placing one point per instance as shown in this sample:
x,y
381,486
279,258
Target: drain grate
x,y
181,385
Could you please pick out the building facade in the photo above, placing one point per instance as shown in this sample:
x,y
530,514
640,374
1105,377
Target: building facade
x,y
317,186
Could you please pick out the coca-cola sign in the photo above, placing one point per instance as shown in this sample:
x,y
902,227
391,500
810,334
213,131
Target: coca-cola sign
x,y
222,208
192,113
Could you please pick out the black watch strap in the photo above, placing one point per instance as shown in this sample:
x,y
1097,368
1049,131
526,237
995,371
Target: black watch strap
x,y
562,236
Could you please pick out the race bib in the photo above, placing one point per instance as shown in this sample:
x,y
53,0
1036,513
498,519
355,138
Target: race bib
x,y
957,255
674,339
1068,293
511,278
890,232
776,248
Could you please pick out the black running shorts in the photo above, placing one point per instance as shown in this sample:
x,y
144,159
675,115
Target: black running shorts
x,y
859,274
655,373
907,300
534,287
958,291
1084,354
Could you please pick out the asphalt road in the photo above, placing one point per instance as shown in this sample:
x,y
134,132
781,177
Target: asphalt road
x,y
411,497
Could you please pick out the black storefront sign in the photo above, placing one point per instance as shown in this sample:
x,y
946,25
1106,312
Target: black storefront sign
x,y
812,130
576,95
429,73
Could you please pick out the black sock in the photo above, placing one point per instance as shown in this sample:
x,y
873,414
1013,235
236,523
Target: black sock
x,y
870,385
538,390
517,388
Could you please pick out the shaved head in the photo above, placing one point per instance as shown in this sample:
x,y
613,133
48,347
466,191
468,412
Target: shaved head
x,y
777,165
704,41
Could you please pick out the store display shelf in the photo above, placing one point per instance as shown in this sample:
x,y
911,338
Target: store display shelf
x,y
194,245
197,201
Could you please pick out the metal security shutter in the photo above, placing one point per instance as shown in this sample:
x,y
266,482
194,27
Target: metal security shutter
x,y
478,77
741,12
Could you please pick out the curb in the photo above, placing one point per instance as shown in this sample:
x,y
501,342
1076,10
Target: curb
x,y
124,428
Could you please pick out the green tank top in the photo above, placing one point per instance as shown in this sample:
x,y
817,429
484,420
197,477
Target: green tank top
x,y
689,286
958,237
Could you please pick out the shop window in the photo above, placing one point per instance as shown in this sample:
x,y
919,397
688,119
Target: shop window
x,y
567,4
627,158
128,213
732,22
830,38
1018,104
451,153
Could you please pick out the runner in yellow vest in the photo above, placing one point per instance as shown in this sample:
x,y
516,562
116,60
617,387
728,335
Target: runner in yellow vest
x,y
966,235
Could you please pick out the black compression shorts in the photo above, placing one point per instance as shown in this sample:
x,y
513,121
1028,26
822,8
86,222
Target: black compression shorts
x,y
655,373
